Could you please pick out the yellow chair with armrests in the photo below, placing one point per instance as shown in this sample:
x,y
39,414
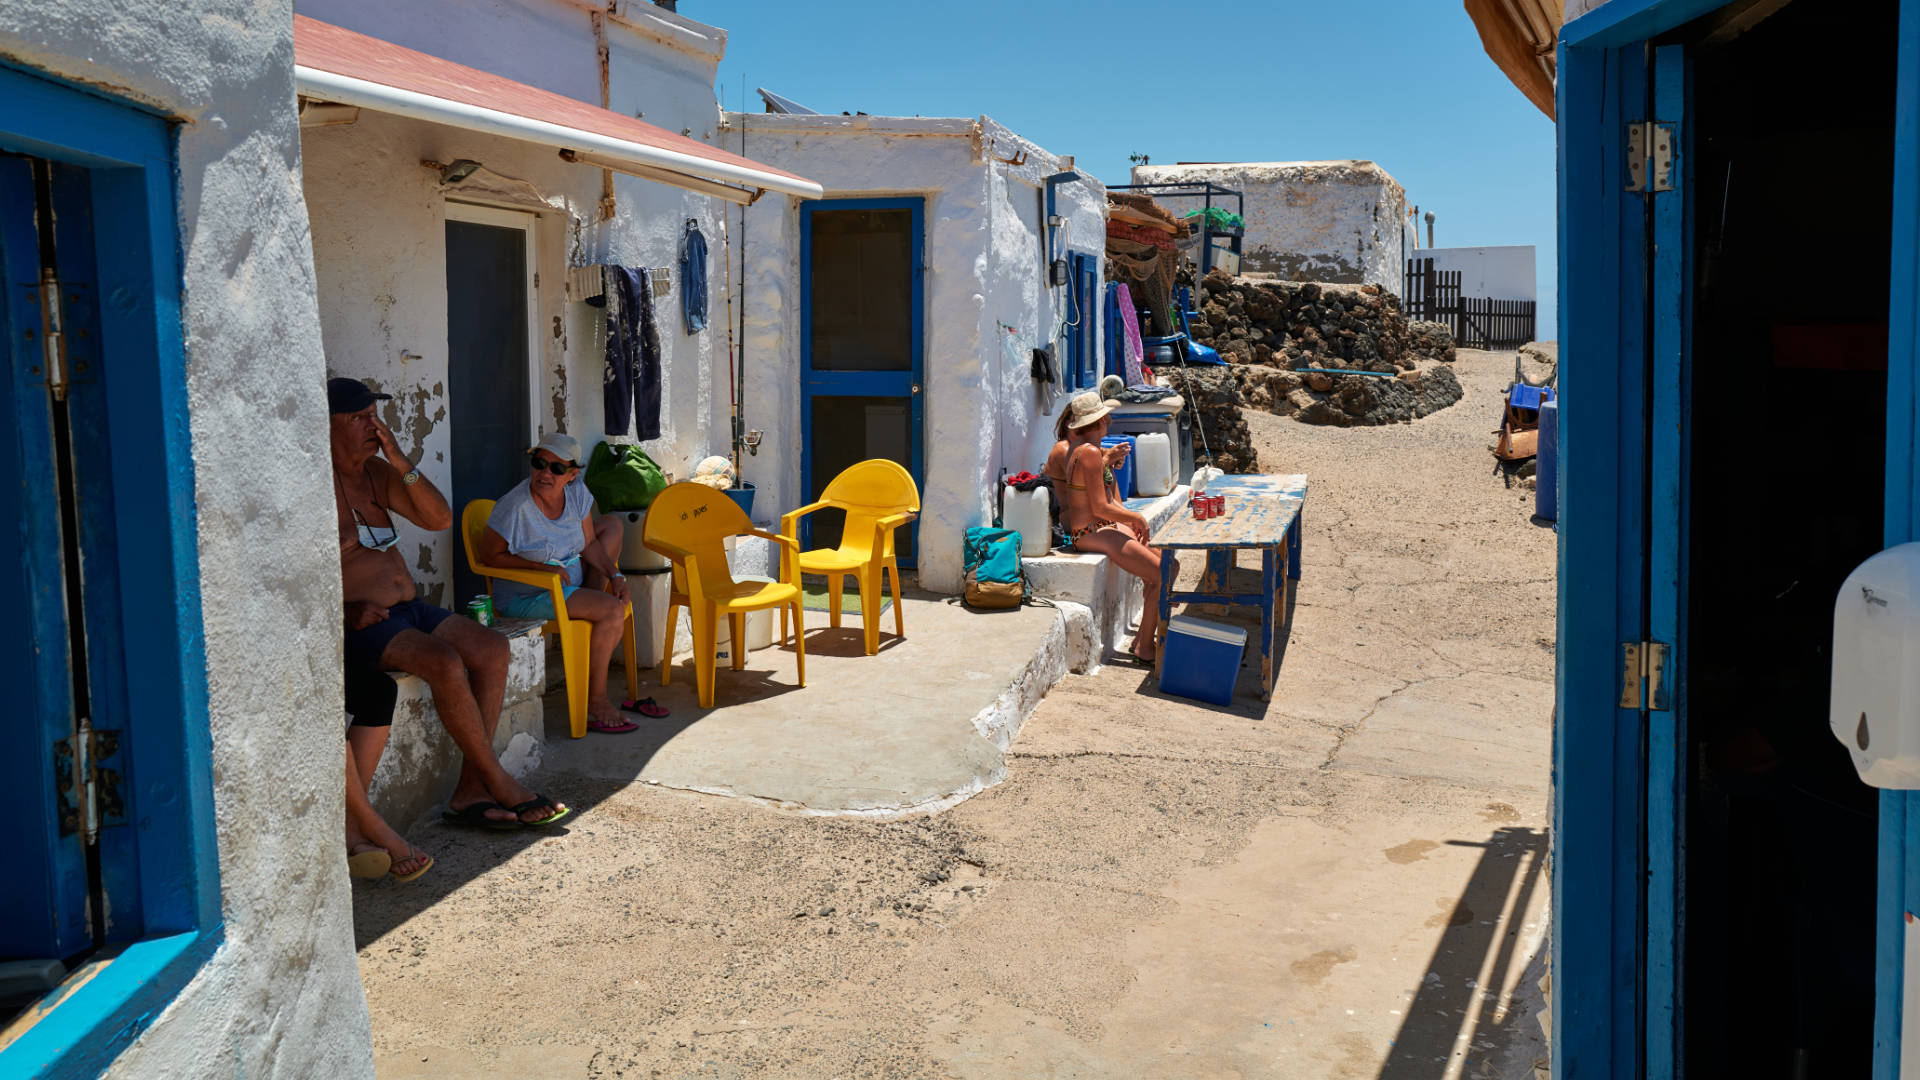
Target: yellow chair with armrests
x,y
576,636
879,496
689,523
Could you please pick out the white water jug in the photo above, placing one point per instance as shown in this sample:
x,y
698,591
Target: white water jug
x,y
1152,465
1029,513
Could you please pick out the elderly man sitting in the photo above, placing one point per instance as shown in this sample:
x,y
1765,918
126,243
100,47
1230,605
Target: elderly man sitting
x,y
463,662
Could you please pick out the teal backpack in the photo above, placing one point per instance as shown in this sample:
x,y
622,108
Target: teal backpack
x,y
992,571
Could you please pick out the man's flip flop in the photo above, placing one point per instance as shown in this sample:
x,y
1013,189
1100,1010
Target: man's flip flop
x,y
424,867
475,817
646,707
613,727
369,864
536,803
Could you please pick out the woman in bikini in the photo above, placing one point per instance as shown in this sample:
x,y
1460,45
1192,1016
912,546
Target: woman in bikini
x,y
1091,512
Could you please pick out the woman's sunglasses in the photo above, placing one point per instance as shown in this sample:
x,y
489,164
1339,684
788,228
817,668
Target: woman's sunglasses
x,y
557,468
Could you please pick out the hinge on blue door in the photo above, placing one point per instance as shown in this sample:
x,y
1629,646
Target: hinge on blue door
x,y
91,795
1649,157
1646,675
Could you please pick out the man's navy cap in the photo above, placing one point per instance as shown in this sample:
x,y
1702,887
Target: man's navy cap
x,y
351,395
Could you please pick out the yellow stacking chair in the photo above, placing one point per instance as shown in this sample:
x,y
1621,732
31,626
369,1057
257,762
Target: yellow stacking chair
x,y
576,637
688,523
879,496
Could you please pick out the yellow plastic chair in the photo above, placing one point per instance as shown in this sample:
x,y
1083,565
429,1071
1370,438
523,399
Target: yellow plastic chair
x,y
688,523
879,496
576,636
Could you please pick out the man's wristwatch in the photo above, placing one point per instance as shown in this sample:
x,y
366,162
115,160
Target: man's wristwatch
x,y
618,574
412,477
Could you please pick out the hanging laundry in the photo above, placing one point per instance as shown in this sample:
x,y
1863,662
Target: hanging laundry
x,y
1133,351
631,386
693,278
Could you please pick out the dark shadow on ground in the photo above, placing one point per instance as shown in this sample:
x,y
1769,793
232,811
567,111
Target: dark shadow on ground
x,y
1451,998
463,854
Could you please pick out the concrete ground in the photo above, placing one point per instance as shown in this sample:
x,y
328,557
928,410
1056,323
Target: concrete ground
x,y
905,729
1348,881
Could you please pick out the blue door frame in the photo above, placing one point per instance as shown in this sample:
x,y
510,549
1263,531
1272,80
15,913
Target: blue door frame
x,y
160,869
1618,801
907,384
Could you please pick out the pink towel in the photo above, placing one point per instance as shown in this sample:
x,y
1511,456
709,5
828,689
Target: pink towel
x,y
1133,353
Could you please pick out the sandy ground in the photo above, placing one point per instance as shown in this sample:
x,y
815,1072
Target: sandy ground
x,y
1348,881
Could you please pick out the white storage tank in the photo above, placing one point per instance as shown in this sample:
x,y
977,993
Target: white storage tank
x,y
1030,513
1153,465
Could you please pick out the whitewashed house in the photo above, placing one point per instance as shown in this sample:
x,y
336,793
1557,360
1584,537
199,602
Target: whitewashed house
x,y
180,662
897,316
1341,221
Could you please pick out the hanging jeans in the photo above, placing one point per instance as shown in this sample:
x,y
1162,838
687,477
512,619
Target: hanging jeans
x,y
632,382
693,279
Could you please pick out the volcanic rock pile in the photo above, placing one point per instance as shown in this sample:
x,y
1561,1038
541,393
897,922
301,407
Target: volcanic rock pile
x,y
1290,344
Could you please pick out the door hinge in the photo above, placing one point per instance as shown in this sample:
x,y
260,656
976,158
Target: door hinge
x,y
1646,675
91,794
53,337
1649,157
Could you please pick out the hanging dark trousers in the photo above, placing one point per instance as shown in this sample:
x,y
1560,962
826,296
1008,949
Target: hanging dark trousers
x,y
632,382
693,278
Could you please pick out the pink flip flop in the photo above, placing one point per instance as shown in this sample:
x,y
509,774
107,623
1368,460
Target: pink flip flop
x,y
646,707
611,727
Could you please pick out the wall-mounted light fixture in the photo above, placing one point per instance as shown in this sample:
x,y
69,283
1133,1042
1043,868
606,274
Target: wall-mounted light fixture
x,y
457,170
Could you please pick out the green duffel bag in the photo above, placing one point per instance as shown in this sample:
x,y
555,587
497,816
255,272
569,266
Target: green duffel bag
x,y
623,478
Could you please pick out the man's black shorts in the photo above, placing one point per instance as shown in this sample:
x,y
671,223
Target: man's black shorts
x,y
365,646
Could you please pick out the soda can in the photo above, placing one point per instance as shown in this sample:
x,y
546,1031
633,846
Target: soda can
x,y
1198,504
1220,502
480,610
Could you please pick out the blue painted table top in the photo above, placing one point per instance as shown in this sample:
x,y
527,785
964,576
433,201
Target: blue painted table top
x,y
1261,507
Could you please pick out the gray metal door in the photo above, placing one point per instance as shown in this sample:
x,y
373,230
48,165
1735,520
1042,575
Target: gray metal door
x,y
487,370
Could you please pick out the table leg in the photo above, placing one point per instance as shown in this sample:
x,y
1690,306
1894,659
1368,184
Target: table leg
x,y
1218,577
1269,581
1165,600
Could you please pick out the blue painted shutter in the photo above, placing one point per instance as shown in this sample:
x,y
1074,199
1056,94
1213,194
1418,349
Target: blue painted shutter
x,y
43,911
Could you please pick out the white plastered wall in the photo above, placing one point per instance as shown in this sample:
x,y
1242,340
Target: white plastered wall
x,y
1503,272
379,222
1340,221
983,269
281,995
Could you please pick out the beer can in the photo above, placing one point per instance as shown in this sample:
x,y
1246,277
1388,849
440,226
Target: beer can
x,y
480,610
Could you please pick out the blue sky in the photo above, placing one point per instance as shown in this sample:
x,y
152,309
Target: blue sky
x,y
1401,82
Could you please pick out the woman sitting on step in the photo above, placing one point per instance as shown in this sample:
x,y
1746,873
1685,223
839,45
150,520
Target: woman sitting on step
x,y
1091,512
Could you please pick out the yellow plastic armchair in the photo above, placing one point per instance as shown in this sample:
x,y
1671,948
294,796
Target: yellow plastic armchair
x,y
576,637
878,496
689,523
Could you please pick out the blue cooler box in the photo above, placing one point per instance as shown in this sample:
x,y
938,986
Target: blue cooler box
x,y
1202,659
1123,476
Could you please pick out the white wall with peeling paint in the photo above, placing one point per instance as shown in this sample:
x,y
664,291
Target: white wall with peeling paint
x,y
379,220
1341,221
282,993
983,413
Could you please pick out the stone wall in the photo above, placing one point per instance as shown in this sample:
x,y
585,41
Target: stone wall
x,y
1287,341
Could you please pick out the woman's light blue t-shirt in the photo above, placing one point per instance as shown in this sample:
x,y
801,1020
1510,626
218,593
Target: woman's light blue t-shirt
x,y
531,534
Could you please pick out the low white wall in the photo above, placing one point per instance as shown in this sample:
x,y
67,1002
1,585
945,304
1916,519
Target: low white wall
x,y
1502,273
984,269
1327,220
282,994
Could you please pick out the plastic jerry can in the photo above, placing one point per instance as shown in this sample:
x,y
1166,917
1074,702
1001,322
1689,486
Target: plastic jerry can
x,y
1153,464
1029,513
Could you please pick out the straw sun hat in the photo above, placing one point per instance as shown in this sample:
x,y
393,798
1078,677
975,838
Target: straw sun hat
x,y
1086,409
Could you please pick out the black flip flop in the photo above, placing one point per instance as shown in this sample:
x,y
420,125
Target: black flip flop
x,y
475,817
536,803
646,707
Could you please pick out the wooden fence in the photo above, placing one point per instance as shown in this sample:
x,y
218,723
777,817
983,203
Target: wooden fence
x,y
1476,322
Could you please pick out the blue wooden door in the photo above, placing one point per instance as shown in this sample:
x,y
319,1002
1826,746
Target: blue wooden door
x,y
51,457
862,293
1669,303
